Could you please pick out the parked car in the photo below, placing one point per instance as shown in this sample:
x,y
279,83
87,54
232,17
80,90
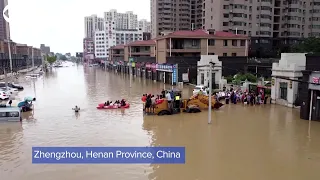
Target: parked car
x,y
197,89
9,90
12,85
4,95
17,86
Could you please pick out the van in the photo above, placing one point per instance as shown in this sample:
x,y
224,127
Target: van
x,y
10,114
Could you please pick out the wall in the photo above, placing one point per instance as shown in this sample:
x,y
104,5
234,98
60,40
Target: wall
x,y
233,65
126,53
289,67
204,61
312,62
161,51
185,65
219,48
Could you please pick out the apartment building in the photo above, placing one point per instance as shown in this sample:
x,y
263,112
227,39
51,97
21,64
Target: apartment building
x,y
200,42
127,20
88,48
140,49
104,40
91,24
144,25
172,15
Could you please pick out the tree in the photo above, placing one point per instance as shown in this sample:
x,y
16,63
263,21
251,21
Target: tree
x,y
308,45
248,76
51,59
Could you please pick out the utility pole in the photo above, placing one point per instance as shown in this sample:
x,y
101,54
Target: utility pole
x,y
210,92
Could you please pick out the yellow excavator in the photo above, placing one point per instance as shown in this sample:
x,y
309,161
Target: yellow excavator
x,y
193,105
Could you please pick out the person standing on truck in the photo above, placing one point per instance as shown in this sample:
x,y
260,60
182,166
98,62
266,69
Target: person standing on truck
x,y
177,101
168,97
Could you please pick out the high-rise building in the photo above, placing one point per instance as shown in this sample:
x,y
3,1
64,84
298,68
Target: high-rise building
x,y
270,23
4,25
111,36
126,20
172,15
144,25
91,24
45,49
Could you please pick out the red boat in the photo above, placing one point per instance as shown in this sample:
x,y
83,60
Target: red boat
x,y
102,106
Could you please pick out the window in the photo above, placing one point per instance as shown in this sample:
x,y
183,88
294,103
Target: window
x,y
13,114
225,54
283,90
225,42
242,42
234,54
194,43
3,114
234,42
211,42
202,78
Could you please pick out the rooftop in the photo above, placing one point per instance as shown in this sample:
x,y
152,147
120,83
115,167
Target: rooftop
x,y
200,33
143,43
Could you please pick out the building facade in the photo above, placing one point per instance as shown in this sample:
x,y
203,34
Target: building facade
x,y
45,49
171,15
200,42
127,20
272,25
144,25
88,49
4,25
91,24
284,89
111,36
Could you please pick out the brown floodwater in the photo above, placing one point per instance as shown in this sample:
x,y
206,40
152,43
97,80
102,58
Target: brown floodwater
x,y
250,143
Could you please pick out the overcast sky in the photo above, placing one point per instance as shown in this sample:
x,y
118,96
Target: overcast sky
x,y
60,23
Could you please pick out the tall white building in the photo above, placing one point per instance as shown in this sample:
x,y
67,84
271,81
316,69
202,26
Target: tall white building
x,y
144,25
111,36
91,24
126,20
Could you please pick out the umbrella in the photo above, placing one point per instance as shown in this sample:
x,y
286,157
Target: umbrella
x,y
21,104
29,98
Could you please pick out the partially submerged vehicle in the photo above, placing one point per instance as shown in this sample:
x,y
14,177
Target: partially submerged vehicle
x,y
10,114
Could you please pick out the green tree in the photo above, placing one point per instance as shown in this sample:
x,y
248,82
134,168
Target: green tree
x,y
51,59
248,76
308,45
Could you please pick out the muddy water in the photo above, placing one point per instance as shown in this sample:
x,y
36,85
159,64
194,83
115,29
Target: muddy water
x,y
267,142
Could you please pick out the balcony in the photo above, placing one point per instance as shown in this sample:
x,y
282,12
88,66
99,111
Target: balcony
x,y
184,45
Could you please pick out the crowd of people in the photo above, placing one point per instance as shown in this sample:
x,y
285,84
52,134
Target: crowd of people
x,y
172,97
116,103
245,97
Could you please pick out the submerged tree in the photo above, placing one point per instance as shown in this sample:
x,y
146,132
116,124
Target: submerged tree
x,y
51,59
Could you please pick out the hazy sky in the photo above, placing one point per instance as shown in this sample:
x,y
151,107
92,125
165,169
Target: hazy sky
x,y
60,23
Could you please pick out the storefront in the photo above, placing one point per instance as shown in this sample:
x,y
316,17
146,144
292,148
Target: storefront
x,y
167,73
314,88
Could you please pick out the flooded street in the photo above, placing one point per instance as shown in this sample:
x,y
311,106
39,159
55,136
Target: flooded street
x,y
250,143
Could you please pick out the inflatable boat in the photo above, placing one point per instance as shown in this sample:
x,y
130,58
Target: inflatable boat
x,y
102,106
